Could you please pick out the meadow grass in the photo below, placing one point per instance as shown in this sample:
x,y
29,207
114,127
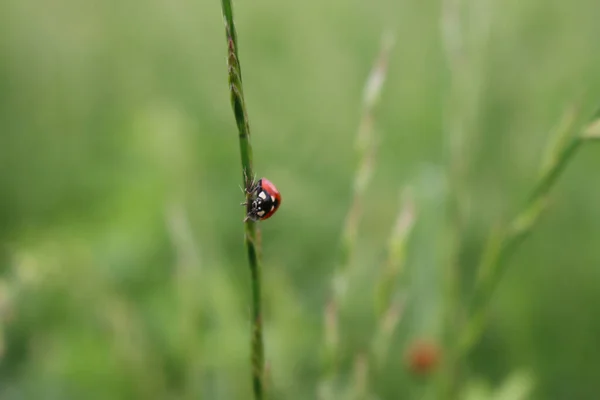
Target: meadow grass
x,y
123,272
366,147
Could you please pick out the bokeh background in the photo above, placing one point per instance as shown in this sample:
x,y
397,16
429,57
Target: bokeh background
x,y
121,245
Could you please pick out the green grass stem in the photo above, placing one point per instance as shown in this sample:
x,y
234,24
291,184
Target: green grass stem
x,y
366,148
465,32
503,243
396,255
252,236
391,294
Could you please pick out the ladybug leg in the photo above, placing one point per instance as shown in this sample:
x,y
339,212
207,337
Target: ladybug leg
x,y
251,186
250,216
247,182
251,183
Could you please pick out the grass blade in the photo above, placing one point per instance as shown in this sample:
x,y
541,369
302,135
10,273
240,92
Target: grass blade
x,y
251,232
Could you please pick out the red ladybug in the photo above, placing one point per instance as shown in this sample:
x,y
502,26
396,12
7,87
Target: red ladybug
x,y
265,200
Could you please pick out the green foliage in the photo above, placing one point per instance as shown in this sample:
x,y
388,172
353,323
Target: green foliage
x,y
124,273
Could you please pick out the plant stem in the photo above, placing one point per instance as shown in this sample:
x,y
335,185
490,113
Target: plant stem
x,y
367,148
502,244
458,137
251,232
388,283
391,291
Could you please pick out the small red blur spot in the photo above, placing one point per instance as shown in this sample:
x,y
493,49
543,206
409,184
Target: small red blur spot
x,y
423,357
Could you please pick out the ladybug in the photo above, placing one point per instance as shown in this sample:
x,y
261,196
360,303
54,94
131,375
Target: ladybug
x,y
265,200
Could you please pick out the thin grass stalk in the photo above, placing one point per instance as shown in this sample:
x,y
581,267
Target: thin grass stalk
x,y
188,269
389,301
359,389
391,296
593,131
251,234
503,244
465,30
396,255
452,31
367,148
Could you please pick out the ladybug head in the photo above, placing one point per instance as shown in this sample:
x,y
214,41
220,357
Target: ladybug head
x,y
265,201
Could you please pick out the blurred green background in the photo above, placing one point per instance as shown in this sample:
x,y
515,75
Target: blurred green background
x,y
121,245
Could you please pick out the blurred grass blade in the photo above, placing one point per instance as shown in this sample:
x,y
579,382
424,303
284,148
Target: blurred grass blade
x,y
390,299
562,135
359,389
518,386
503,245
428,239
367,148
592,132
386,326
396,254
